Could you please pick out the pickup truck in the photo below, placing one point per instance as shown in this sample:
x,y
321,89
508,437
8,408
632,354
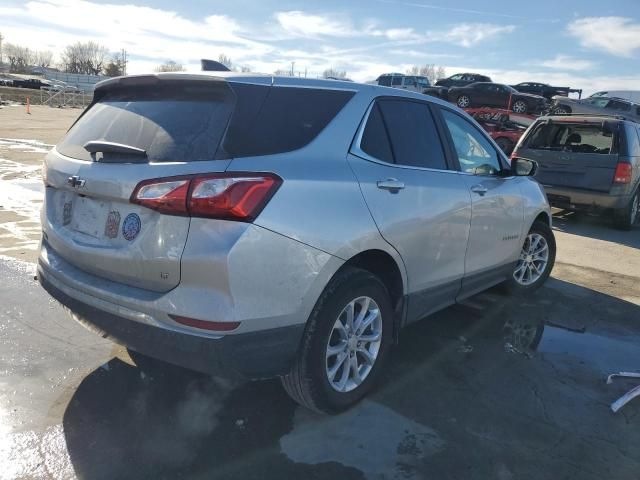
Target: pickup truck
x,y
545,90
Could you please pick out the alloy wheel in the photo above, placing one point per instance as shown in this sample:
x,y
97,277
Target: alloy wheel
x,y
464,101
533,260
520,107
353,345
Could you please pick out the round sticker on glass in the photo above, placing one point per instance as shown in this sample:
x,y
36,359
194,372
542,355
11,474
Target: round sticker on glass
x,y
131,226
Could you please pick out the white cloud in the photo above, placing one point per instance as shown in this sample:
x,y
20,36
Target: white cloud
x,y
469,34
615,35
565,62
301,24
147,33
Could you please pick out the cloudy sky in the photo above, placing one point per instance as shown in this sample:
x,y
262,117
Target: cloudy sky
x,y
587,44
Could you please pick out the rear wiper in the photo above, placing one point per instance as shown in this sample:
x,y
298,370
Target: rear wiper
x,y
102,146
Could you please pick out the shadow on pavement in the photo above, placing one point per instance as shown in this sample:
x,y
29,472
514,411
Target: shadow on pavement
x,y
593,226
493,388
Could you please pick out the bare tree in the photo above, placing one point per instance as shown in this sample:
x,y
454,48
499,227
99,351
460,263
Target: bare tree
x,y
20,58
332,73
43,58
115,66
170,66
87,58
226,61
431,71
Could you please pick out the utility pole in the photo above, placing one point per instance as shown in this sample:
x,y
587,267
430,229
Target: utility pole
x,y
292,65
124,61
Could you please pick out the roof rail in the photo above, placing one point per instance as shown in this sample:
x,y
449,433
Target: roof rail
x,y
618,117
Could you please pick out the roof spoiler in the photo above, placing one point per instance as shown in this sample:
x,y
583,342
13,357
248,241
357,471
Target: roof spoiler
x,y
213,66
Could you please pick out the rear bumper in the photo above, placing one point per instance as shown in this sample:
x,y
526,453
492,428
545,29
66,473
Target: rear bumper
x,y
253,355
576,199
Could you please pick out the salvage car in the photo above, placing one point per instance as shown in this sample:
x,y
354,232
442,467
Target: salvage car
x,y
441,87
596,106
462,79
261,226
414,83
545,90
486,94
498,124
587,163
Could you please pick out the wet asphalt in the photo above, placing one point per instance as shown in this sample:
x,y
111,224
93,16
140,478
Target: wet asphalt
x,y
497,388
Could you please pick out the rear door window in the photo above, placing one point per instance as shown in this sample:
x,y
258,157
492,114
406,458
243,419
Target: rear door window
x,y
403,132
571,137
375,141
412,133
396,81
385,81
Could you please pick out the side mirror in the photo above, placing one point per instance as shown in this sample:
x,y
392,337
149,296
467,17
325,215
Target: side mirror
x,y
521,167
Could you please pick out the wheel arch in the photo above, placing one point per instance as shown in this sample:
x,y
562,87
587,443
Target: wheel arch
x,y
392,273
543,217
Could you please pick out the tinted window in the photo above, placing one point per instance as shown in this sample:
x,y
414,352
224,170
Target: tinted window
x,y
475,153
396,81
413,134
180,122
375,141
617,105
456,77
288,119
571,137
385,81
410,81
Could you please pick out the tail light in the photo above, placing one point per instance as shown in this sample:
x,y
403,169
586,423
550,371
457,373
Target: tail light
x,y
231,196
623,173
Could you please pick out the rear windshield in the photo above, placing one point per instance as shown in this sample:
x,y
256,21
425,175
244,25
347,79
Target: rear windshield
x,y
170,124
571,137
208,121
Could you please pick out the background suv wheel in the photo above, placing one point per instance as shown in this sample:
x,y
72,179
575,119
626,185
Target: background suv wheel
x,y
345,343
627,217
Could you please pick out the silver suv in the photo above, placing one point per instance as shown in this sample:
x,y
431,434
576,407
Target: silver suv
x,y
280,227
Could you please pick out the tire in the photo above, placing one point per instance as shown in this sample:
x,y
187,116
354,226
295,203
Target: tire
x,y
530,280
505,144
308,382
463,101
520,106
629,216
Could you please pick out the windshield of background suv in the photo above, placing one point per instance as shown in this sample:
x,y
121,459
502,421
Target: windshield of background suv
x,y
571,137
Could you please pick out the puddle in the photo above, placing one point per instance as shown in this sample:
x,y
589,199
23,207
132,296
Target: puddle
x,y
607,354
370,437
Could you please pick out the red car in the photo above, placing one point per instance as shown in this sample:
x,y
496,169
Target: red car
x,y
503,126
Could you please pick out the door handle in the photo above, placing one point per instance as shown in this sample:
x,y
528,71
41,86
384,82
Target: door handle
x,y
391,184
479,189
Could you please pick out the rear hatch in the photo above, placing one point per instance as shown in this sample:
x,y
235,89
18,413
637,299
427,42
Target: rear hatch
x,y
138,128
575,154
